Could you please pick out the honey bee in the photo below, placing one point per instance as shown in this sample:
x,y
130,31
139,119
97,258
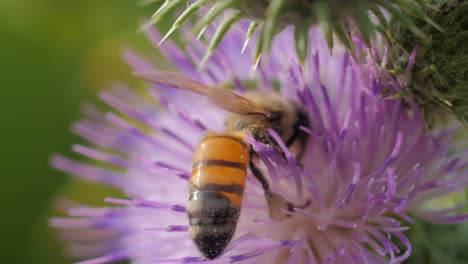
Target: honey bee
x,y
221,160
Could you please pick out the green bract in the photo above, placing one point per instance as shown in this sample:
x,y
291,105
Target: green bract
x,y
337,18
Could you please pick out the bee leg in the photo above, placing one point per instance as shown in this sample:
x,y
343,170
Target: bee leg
x,y
277,206
259,176
300,135
300,152
276,203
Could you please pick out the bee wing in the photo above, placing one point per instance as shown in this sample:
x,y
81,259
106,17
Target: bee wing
x,y
234,103
220,97
174,79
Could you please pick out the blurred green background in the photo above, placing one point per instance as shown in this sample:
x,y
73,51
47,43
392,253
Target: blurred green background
x,y
55,54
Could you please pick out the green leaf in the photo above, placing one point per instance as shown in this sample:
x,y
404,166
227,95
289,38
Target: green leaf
x,y
258,51
271,22
406,21
343,37
324,20
301,37
361,16
252,28
221,31
184,16
414,9
214,12
166,8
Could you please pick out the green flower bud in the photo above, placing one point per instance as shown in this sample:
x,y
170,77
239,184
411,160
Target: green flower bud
x,y
337,19
439,77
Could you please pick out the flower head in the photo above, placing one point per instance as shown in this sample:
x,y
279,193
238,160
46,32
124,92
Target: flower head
x,y
369,165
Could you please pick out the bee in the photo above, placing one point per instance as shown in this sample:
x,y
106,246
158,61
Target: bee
x,y
221,160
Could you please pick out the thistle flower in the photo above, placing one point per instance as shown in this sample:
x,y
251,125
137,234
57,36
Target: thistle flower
x,y
439,78
369,166
271,16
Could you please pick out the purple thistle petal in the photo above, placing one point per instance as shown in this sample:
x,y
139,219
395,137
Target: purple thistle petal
x,y
88,172
100,155
146,203
116,256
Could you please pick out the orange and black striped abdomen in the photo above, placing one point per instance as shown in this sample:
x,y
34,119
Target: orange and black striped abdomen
x,y
216,189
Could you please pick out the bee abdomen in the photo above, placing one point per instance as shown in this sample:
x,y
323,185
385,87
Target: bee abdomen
x,y
216,188
220,163
211,205
212,221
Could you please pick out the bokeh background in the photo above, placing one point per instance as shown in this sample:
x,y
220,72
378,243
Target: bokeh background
x,y
54,55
